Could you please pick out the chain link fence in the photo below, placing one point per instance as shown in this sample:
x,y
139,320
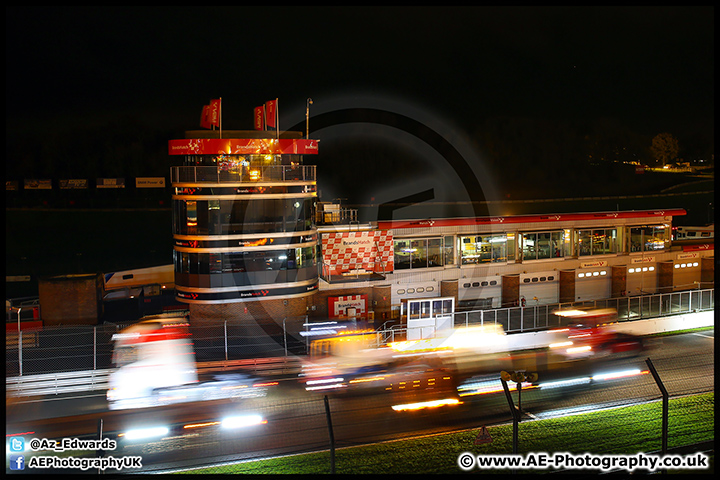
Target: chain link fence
x,y
537,317
74,348
338,433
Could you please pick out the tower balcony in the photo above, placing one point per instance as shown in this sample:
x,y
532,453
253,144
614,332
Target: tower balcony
x,y
246,174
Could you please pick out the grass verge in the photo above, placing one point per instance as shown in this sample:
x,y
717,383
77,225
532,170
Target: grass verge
x,y
624,430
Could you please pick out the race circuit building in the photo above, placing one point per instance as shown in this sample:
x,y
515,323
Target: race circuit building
x,y
243,221
252,242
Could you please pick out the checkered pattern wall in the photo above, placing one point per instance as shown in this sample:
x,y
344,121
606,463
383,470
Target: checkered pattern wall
x,y
345,252
343,305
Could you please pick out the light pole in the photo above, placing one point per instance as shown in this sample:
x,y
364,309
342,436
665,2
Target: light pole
x,y
307,118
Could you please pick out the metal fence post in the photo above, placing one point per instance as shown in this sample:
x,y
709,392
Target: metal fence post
x,y
94,348
515,414
285,335
332,435
665,404
226,339
20,349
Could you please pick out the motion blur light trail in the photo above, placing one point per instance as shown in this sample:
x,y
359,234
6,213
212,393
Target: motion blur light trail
x,y
428,404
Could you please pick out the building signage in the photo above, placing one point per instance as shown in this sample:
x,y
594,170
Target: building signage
x,y
11,185
32,184
110,183
351,306
566,217
150,182
650,259
252,294
598,263
240,146
73,183
358,252
697,248
355,243
688,255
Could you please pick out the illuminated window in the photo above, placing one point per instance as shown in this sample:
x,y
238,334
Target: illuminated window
x,y
477,249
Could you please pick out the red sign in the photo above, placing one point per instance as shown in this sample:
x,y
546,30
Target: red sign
x,y
205,117
210,115
242,146
259,118
271,112
483,436
215,112
452,222
351,306
698,248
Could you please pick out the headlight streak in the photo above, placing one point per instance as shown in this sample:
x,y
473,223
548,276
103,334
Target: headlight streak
x,y
489,386
583,349
242,421
142,433
325,383
597,377
428,404
495,386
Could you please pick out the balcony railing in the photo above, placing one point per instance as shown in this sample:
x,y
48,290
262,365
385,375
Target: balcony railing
x,y
273,173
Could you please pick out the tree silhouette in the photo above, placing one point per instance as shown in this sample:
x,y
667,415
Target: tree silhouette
x,y
664,148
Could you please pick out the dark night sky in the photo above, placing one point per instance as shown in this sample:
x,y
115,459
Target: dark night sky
x,y
650,65
650,68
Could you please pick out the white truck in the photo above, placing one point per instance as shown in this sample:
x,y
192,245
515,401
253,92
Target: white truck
x,y
155,365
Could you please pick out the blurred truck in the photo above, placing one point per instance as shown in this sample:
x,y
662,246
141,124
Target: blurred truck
x,y
155,365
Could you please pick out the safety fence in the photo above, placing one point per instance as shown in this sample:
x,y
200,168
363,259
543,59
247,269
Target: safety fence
x,y
663,409
538,317
83,347
372,434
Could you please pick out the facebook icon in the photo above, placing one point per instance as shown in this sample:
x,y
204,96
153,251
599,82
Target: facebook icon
x,y
17,462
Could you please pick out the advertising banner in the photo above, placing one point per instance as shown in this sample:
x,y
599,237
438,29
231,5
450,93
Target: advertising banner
x,y
358,252
110,183
150,182
259,117
348,306
270,113
11,185
73,183
643,259
245,146
33,184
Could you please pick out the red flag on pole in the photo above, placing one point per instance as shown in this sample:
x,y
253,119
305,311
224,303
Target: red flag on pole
x,y
205,117
271,112
260,118
215,112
